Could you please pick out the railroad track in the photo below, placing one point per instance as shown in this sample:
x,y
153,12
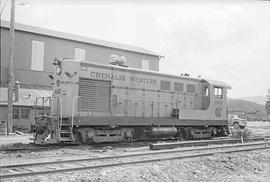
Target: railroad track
x,y
159,146
43,168
35,147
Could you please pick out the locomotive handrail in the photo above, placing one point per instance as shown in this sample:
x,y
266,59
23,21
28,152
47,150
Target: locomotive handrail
x,y
150,101
88,109
61,109
135,101
45,103
73,108
91,105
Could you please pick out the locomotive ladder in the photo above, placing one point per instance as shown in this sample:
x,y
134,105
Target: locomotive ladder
x,y
65,127
66,131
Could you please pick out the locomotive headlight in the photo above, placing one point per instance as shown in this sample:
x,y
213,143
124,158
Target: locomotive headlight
x,y
58,70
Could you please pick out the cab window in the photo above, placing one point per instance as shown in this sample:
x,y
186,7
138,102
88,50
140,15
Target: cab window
x,y
206,91
218,92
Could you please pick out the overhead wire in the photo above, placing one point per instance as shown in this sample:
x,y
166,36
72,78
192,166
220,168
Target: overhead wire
x,y
3,7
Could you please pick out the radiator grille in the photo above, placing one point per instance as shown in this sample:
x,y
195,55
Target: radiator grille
x,y
178,87
190,88
165,85
94,95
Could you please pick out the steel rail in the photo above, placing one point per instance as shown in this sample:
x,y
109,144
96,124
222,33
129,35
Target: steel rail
x,y
59,146
160,146
132,155
252,146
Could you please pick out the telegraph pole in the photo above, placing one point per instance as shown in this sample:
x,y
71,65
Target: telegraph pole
x,y
11,68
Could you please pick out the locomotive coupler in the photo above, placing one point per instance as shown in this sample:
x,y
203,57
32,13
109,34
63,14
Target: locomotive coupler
x,y
45,130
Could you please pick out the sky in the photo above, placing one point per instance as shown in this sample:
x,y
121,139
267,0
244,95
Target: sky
x,y
227,40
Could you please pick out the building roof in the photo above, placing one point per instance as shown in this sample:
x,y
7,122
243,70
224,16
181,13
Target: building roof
x,y
27,96
52,33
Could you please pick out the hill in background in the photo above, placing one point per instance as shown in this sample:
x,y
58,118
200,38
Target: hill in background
x,y
247,107
257,99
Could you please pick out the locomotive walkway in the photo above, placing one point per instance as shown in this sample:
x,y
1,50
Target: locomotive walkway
x,y
43,168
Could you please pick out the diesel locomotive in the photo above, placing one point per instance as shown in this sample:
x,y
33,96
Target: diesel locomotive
x,y
111,103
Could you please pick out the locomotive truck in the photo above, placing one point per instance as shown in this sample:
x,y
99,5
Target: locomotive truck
x,y
109,103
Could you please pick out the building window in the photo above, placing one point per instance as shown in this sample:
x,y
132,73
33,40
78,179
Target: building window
x,y
178,87
190,88
79,54
37,55
16,113
218,92
25,113
165,85
145,64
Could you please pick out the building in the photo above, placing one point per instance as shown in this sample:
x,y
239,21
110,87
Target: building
x,y
25,110
35,50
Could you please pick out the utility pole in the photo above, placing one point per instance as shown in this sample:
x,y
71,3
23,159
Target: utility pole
x,y
11,68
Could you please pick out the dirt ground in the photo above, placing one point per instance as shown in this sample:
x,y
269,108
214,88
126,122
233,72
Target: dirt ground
x,y
245,166
259,127
8,140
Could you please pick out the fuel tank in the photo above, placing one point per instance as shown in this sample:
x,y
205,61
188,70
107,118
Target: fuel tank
x,y
163,131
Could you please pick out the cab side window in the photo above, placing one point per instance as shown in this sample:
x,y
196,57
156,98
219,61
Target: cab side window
x,y
218,92
206,91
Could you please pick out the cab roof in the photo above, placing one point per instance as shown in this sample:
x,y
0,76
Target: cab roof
x,y
218,83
